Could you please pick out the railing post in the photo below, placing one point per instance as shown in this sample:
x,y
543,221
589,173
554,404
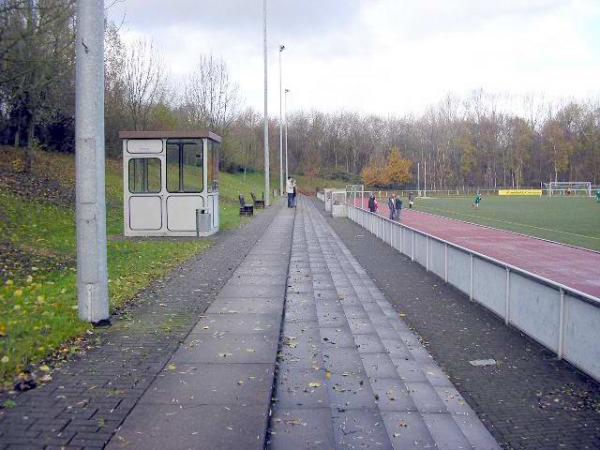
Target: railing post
x,y
472,278
402,240
427,253
446,262
561,326
507,299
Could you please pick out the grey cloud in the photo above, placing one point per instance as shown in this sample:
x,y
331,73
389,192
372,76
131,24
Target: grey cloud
x,y
421,19
240,16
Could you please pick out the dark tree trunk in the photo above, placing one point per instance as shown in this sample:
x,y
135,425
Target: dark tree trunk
x,y
18,132
29,150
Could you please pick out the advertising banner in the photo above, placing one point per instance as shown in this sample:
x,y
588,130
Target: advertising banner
x,y
536,192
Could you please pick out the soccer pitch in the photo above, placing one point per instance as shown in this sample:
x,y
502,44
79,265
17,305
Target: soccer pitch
x,y
574,221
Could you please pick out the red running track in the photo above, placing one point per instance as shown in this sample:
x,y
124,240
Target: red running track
x,y
573,267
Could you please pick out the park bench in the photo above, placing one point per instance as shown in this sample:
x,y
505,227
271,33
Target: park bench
x,y
245,209
258,203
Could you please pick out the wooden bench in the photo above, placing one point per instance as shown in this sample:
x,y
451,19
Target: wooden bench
x,y
245,209
258,203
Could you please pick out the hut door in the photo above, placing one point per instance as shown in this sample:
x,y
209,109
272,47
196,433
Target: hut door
x,y
145,199
185,183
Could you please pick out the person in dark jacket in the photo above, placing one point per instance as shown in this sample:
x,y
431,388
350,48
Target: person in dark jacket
x,y
398,207
372,203
391,206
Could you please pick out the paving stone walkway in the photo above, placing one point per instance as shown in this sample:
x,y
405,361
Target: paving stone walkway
x,y
91,395
529,399
215,391
350,373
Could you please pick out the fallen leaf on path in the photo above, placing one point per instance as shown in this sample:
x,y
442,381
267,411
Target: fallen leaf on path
x,y
294,422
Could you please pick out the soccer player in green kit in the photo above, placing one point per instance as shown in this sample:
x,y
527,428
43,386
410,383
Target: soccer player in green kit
x,y
477,200
598,196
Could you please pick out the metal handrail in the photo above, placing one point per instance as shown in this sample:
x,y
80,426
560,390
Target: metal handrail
x,y
588,297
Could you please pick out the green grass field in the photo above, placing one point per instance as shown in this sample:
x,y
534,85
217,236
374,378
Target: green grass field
x,y
574,221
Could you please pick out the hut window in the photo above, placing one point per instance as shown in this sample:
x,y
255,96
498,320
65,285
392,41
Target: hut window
x,y
144,175
213,166
184,165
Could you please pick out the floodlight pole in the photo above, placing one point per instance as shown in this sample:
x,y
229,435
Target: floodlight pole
x,y
92,272
425,178
286,92
418,179
266,124
281,49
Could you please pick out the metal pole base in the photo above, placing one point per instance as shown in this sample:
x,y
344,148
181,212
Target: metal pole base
x,y
104,323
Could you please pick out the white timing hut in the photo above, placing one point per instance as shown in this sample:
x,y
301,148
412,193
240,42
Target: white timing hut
x,y
171,183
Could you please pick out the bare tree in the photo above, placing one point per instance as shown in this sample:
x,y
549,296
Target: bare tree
x,y
144,81
211,98
36,60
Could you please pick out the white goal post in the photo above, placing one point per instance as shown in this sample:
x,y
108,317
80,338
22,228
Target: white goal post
x,y
570,188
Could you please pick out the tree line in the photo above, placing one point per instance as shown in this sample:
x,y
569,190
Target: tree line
x,y
459,142
471,141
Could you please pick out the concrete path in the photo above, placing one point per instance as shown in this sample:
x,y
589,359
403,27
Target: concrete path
x,y
215,391
91,394
350,372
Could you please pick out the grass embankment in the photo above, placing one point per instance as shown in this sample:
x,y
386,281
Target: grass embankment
x,y
38,304
309,185
574,221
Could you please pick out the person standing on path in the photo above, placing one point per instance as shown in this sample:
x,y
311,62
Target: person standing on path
x,y
410,200
372,203
391,205
294,193
289,190
398,207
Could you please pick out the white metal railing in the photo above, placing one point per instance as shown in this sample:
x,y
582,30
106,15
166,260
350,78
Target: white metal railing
x,y
404,238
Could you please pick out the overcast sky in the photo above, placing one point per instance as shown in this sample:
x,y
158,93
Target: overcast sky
x,y
380,56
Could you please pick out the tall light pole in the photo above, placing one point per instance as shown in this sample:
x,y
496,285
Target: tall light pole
x,y
92,271
266,125
281,49
425,178
287,91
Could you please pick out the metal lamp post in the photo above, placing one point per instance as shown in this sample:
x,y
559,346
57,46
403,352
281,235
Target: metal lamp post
x,y
266,119
92,267
287,91
281,49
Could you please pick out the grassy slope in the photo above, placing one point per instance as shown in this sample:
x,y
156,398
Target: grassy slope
x,y
310,184
38,307
574,221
